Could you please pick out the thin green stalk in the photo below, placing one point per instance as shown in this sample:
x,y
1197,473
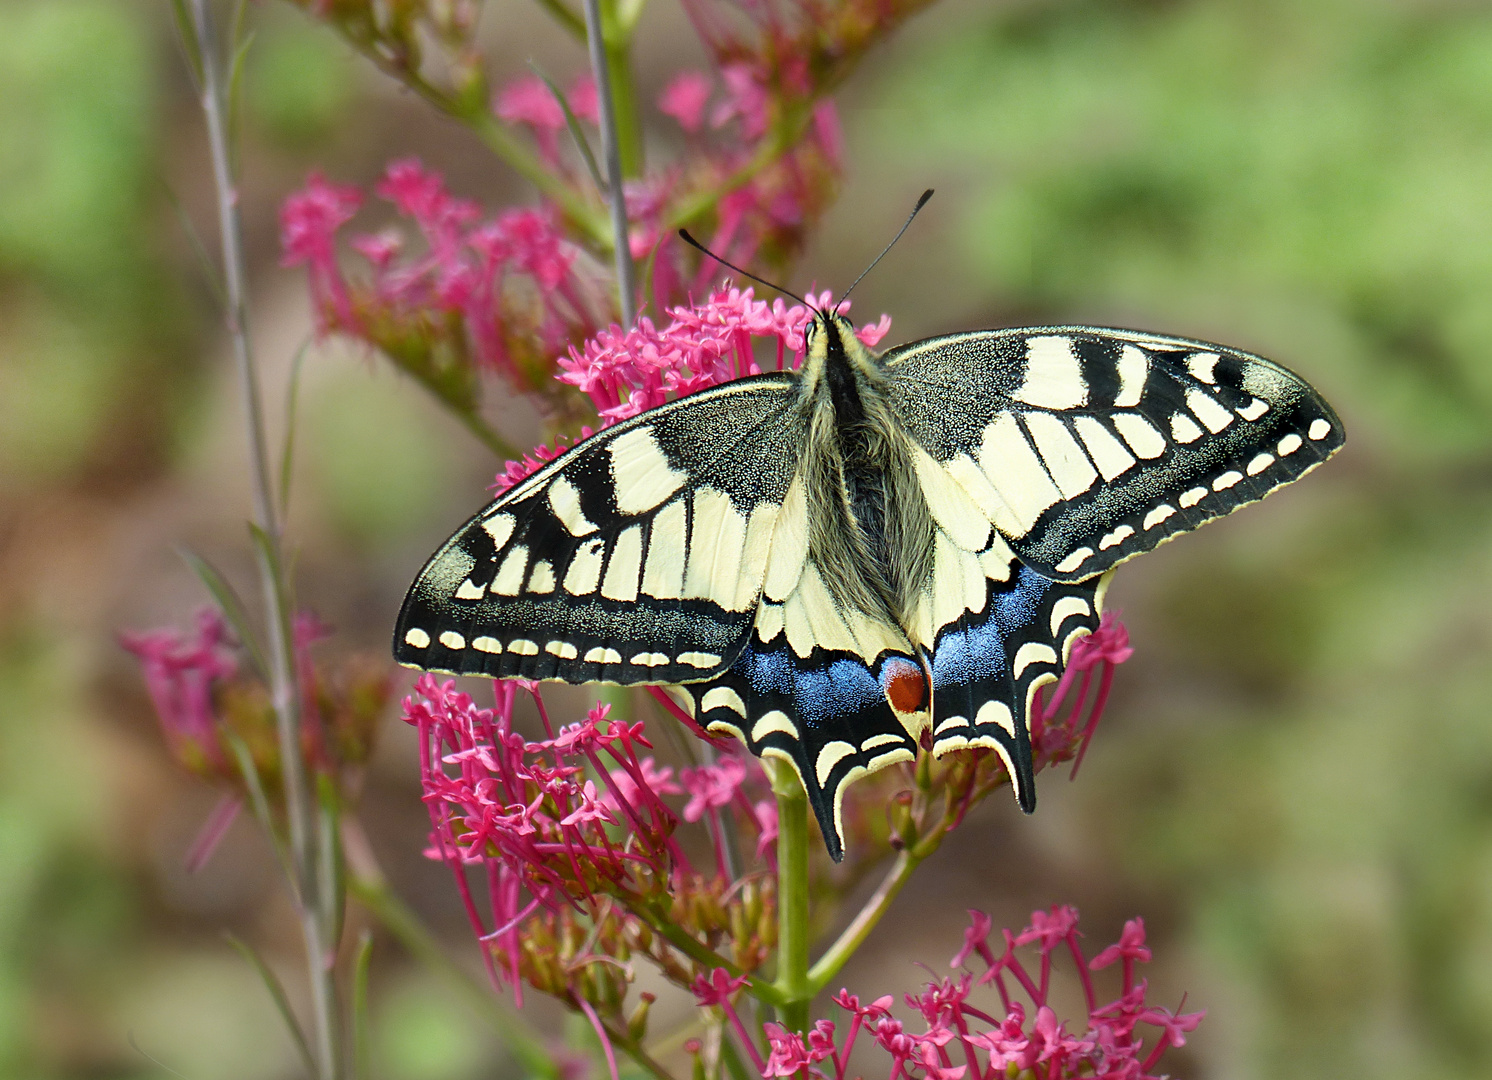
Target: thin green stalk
x,y
702,954
389,910
361,1035
616,39
611,150
784,134
864,922
792,896
299,809
633,1049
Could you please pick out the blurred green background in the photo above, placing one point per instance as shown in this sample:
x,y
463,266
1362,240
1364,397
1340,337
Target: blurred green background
x,y
1294,782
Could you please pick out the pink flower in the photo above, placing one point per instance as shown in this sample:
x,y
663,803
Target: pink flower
x,y
591,808
583,100
746,100
1049,928
1130,947
788,1056
712,786
976,940
180,673
526,100
684,99
421,194
309,220
765,813
1109,644
718,987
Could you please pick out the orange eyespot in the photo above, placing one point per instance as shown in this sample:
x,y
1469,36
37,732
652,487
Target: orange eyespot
x,y
906,686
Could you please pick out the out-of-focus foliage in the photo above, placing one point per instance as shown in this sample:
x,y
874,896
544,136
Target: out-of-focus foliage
x,y
1312,180
299,82
83,318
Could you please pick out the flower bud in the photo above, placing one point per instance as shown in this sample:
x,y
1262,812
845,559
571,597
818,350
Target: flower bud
x,y
903,824
637,1023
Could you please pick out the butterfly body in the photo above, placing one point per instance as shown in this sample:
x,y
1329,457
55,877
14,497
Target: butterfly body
x,y
840,564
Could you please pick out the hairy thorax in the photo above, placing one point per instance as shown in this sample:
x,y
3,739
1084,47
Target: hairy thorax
x,y
871,532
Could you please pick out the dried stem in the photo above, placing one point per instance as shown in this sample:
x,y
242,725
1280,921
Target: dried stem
x,y
305,853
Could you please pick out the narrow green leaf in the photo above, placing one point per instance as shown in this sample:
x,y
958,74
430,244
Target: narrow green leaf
x,y
230,605
208,266
565,17
331,884
235,93
292,403
260,802
186,30
575,131
277,992
360,1028
269,556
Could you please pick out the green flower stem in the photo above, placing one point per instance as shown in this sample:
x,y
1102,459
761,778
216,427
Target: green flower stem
x,y
633,1049
907,861
310,872
864,922
616,39
792,896
398,920
786,131
658,922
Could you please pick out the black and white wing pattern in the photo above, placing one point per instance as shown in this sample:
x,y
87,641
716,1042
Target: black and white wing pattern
x,y
839,695
832,691
636,557
1088,446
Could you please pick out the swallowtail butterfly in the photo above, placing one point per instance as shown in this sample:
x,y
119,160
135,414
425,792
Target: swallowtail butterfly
x,y
839,563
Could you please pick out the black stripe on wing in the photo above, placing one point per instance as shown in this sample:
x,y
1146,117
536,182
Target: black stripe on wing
x,y
635,557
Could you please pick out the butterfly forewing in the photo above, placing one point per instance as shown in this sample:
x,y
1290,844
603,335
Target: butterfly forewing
x,y
637,557
1085,447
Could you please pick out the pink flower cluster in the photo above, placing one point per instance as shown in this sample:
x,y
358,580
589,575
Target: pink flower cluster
x,y
626,373
508,293
961,1040
629,372
573,821
764,218
210,708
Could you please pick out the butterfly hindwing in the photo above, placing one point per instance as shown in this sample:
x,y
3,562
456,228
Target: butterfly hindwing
x,y
835,692
988,664
635,557
1087,446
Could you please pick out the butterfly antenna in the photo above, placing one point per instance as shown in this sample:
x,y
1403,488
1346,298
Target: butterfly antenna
x,y
928,194
684,235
